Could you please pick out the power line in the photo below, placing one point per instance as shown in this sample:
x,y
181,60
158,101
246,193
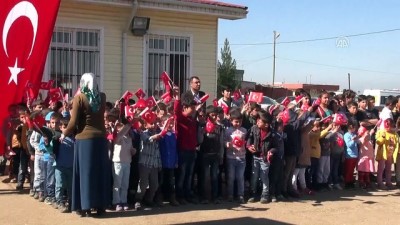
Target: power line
x,y
257,60
320,39
340,67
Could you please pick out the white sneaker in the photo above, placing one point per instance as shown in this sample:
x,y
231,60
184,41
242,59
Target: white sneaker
x,y
338,187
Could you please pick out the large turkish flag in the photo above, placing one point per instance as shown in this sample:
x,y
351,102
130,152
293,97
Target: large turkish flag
x,y
26,28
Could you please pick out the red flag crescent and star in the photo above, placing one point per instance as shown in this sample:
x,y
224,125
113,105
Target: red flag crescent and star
x,y
26,29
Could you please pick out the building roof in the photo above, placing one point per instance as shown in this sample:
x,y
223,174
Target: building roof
x,y
216,3
311,86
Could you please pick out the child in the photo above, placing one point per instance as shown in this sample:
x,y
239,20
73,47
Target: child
x,y
122,157
366,159
169,159
149,163
276,170
186,125
351,154
261,141
39,177
387,141
235,155
63,172
337,149
304,160
321,148
314,136
211,154
50,143
23,153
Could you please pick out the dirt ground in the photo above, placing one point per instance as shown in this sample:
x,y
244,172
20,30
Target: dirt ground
x,y
331,207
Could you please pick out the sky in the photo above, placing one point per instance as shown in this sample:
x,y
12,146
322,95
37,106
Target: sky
x,y
373,60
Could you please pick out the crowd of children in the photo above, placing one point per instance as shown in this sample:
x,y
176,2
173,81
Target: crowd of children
x,y
187,152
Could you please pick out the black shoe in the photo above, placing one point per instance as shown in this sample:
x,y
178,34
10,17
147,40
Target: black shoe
x,y
19,187
264,201
84,213
252,200
100,212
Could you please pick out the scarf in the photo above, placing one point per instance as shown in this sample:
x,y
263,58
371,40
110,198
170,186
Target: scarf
x,y
90,90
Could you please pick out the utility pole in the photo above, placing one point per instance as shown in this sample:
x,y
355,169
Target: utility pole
x,y
348,78
276,35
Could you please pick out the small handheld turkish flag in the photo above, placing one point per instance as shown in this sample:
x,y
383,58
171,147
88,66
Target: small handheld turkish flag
x,y
316,102
204,98
215,102
46,85
166,97
256,97
285,102
140,93
237,95
210,126
340,141
167,81
151,102
361,131
56,94
130,111
237,141
38,120
127,95
149,116
340,119
298,99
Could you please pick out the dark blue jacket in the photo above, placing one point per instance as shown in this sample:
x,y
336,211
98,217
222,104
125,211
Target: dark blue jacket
x,y
65,154
168,150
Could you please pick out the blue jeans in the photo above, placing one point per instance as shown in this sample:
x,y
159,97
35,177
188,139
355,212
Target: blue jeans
x,y
23,166
260,171
50,178
210,169
236,169
186,166
121,173
63,177
40,173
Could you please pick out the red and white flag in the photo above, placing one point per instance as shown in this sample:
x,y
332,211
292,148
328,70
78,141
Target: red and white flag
x,y
27,28
255,97
56,94
167,81
140,93
151,102
166,97
127,95
46,85
204,98
130,111
215,102
237,95
285,102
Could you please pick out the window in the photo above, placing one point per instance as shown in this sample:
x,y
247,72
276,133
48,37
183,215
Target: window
x,y
167,53
74,52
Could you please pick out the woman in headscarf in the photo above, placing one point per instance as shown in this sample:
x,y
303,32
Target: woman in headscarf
x,y
91,172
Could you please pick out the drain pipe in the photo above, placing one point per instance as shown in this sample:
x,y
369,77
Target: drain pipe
x,y
124,46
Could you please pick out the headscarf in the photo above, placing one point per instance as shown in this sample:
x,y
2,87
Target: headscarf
x,y
89,87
